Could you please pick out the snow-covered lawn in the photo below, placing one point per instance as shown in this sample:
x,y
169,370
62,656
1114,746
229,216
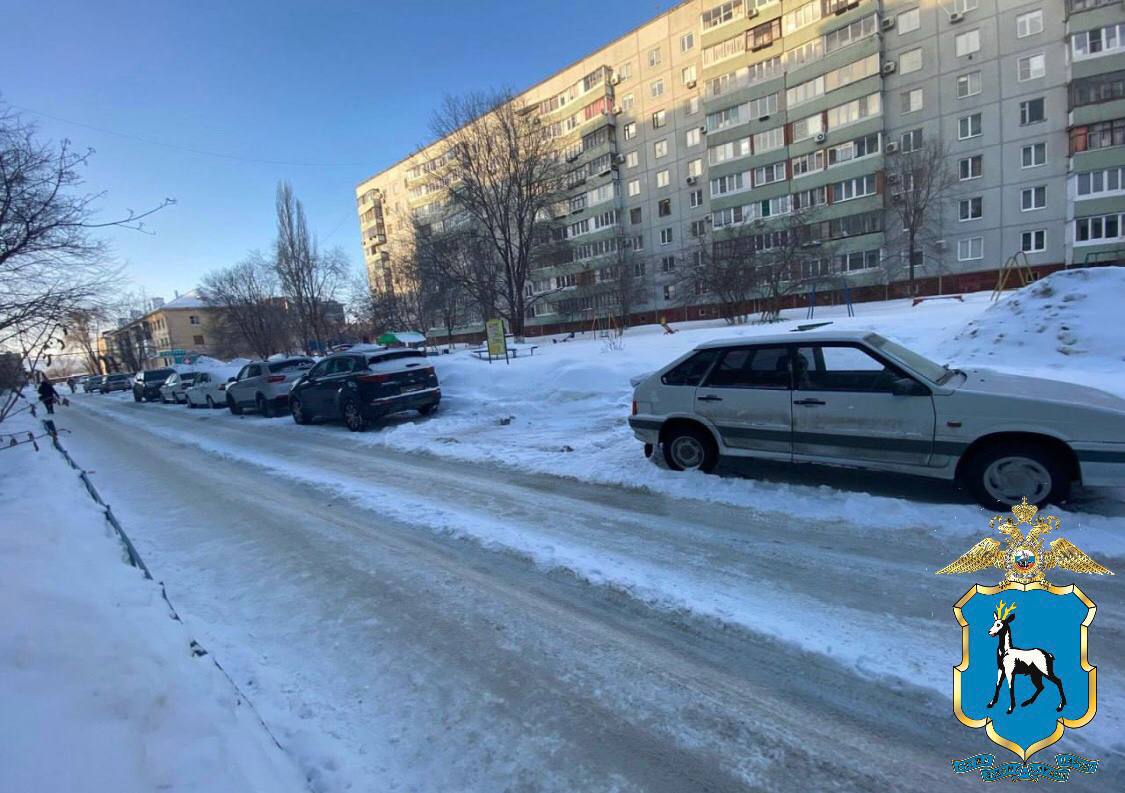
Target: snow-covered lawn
x,y
99,686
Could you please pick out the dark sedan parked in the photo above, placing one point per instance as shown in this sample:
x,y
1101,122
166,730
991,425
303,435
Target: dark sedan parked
x,y
147,385
360,386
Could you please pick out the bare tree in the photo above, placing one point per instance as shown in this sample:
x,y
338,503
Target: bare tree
x,y
312,280
251,312
723,270
917,183
791,256
505,178
82,328
50,264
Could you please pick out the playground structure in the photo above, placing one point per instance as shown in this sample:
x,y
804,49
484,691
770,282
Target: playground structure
x,y
1017,265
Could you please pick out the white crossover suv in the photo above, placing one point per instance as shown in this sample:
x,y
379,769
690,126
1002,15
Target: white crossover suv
x,y
857,399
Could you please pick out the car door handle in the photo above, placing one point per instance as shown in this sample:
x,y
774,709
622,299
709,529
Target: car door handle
x,y
809,402
710,398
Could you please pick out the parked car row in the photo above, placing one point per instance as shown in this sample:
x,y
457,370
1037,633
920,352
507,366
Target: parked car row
x,y
357,386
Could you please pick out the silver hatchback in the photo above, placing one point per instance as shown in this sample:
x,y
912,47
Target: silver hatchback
x,y
264,385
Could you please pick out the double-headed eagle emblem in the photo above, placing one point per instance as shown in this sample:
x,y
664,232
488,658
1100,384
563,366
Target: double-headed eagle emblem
x,y
1024,559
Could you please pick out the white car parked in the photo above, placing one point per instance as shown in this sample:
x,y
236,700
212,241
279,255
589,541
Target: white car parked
x,y
175,387
208,390
857,399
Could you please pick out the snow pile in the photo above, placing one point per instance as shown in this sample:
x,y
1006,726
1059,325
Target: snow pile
x,y
1066,326
100,687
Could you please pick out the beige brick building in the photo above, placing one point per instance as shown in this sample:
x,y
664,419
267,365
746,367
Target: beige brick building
x,y
167,334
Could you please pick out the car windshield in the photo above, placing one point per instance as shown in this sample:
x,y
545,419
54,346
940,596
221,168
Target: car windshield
x,y
393,356
935,373
292,365
159,375
187,377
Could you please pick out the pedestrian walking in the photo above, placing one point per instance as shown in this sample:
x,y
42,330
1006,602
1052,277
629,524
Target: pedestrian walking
x,y
47,395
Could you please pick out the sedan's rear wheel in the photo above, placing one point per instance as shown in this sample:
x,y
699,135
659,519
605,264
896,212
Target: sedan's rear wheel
x,y
298,411
1002,474
233,406
353,415
690,449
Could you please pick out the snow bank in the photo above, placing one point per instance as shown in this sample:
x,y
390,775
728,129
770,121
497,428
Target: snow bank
x,y
100,688
1066,326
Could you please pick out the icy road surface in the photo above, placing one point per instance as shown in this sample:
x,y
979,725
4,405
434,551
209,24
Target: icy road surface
x,y
409,623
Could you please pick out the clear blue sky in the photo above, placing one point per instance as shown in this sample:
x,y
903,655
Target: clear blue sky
x,y
348,84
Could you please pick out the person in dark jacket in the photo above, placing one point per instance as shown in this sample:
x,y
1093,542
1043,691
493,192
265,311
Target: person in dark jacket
x,y
48,395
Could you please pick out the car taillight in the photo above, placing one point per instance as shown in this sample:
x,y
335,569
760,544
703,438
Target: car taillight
x,y
634,407
222,386
276,378
373,378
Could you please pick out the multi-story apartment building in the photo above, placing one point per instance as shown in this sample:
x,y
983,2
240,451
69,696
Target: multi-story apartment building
x,y
716,117
165,335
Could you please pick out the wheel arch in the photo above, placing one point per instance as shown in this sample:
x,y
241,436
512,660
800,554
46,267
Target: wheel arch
x,y
676,422
1054,444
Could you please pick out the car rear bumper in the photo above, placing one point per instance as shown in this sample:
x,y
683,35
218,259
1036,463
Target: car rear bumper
x,y
646,428
412,401
1101,464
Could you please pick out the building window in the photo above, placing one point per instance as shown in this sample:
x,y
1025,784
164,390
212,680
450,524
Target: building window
x,y
971,208
630,130
1100,135
909,21
1094,230
970,249
1031,67
654,56
695,199
692,137
662,178
910,61
193,320
632,159
669,292
695,167
624,71
1032,198
693,105
635,215
687,74
911,140
667,264
698,228
720,14
1033,155
659,119
853,188
666,236
1032,112
627,102
961,6
1100,41
968,85
912,100
1104,182
1033,241
687,41
660,149
1029,24
197,341
968,126
634,187
967,43
664,207
971,167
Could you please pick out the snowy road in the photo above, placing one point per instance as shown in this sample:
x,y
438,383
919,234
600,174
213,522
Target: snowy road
x,y
410,623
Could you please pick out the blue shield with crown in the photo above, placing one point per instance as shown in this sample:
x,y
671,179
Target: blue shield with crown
x,y
1025,673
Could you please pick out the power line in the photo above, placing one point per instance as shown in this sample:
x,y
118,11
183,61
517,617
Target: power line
x,y
189,149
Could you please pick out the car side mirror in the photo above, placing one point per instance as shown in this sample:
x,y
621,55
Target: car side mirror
x,y
906,386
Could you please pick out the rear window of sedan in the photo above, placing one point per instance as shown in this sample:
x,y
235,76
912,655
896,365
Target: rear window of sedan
x,y
394,355
159,375
291,365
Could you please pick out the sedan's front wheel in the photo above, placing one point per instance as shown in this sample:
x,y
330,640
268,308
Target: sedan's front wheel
x,y
1002,474
298,411
690,449
265,408
233,405
353,415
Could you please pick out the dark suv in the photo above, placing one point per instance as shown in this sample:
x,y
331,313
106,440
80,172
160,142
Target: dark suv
x,y
360,386
147,385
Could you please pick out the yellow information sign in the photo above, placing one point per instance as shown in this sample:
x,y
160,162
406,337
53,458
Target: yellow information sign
x,y
497,346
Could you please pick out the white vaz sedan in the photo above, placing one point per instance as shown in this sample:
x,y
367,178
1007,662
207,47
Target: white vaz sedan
x,y
857,399
207,390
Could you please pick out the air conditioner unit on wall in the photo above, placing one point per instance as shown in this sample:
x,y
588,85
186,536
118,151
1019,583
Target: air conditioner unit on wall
x,y
703,130
619,158
888,23
820,136
889,67
614,80
689,84
752,12
892,178
956,17
891,147
691,180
